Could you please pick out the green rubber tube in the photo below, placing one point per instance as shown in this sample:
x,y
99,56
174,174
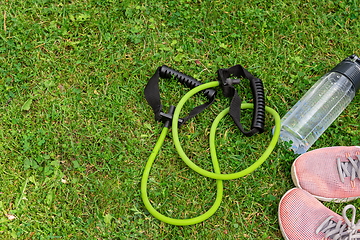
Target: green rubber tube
x,y
215,175
161,217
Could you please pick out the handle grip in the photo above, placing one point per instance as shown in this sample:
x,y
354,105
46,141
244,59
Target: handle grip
x,y
166,72
257,90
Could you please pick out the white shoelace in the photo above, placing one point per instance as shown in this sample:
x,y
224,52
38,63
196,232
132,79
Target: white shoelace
x,y
349,169
341,230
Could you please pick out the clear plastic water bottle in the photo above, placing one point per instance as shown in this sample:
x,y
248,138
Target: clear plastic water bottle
x,y
321,105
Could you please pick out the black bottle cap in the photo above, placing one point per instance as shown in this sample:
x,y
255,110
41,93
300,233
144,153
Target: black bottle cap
x,y
350,67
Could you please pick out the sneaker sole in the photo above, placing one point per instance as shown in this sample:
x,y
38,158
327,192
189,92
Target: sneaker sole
x,y
324,199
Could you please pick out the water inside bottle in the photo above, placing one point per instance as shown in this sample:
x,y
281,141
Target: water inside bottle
x,y
315,111
298,145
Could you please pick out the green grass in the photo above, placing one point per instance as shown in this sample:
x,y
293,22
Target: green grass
x,y
76,130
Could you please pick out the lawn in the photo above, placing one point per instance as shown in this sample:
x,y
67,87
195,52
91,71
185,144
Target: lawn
x,y
76,130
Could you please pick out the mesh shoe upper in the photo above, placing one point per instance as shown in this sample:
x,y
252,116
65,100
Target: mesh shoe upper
x,y
303,217
330,174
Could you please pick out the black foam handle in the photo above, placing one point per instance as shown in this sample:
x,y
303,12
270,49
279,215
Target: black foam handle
x,y
257,89
166,72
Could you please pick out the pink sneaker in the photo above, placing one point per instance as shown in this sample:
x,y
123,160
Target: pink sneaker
x,y
329,174
303,217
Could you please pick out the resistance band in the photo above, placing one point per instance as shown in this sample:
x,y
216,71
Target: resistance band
x,y
173,116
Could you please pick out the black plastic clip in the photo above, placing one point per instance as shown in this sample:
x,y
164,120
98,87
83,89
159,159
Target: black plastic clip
x,y
231,81
167,118
227,83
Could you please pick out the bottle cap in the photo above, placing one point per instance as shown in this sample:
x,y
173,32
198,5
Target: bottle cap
x,y
350,67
